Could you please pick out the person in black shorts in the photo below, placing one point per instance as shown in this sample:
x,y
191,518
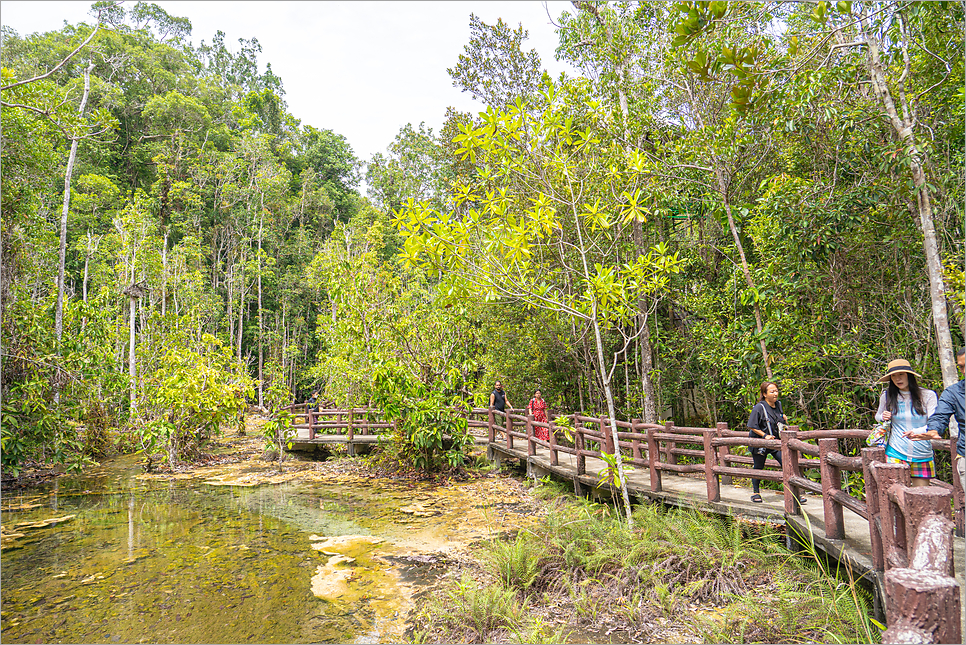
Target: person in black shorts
x,y
498,398
765,422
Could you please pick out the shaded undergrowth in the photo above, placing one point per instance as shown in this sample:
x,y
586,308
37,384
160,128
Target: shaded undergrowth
x,y
582,576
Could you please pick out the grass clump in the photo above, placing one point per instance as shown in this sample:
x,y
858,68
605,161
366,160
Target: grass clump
x,y
679,575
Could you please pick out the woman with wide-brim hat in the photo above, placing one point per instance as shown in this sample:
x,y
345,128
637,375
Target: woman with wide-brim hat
x,y
907,407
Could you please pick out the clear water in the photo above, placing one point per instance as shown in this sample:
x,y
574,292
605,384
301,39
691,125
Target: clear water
x,y
181,561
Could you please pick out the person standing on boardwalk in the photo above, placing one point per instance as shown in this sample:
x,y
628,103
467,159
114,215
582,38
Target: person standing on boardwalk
x,y
538,408
951,403
498,398
764,423
907,408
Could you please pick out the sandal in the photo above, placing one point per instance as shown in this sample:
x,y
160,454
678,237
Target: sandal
x,y
802,499
756,498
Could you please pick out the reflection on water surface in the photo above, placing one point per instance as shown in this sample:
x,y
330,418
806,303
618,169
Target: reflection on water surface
x,y
182,561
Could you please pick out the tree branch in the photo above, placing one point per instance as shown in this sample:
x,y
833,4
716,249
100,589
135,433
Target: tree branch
x,y
61,63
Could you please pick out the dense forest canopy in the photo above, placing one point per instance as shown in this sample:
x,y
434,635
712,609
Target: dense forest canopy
x,y
727,192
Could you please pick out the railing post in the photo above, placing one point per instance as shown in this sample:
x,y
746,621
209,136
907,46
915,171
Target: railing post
x,y
636,443
920,503
491,431
723,451
921,607
710,462
871,456
531,446
654,458
893,533
790,468
579,446
311,424
608,444
350,431
831,482
509,430
670,457
554,457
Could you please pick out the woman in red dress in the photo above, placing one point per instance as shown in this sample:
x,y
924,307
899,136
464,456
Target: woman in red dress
x,y
538,408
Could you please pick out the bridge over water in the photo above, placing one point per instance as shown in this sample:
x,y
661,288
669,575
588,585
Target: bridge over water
x,y
906,541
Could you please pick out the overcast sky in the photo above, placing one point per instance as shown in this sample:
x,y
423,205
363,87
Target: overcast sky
x,y
361,69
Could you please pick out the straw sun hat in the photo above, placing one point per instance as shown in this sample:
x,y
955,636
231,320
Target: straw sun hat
x,y
895,367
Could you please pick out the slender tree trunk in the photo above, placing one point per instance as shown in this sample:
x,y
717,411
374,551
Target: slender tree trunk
x,y
164,274
904,126
645,347
261,329
59,313
604,376
723,187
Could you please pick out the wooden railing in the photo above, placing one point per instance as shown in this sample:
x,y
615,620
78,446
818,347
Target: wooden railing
x,y
897,513
349,422
910,527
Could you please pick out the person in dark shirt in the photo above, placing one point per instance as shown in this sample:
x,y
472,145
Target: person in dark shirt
x,y
312,405
952,403
764,423
498,398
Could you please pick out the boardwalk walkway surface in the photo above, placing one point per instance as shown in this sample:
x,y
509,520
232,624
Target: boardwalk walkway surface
x,y
707,486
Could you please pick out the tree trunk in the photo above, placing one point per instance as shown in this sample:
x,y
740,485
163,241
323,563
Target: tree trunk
x,y
612,413
164,273
723,187
59,314
261,376
903,126
131,359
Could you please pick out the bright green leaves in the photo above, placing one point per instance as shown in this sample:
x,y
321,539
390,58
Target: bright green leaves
x,y
698,16
595,217
429,427
543,215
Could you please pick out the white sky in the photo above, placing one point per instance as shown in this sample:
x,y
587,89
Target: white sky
x,y
361,69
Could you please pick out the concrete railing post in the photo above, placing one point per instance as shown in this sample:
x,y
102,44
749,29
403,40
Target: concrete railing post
x,y
636,443
918,505
790,468
893,532
509,430
491,431
554,457
350,431
831,482
723,451
653,458
579,447
872,456
531,446
710,462
608,443
669,457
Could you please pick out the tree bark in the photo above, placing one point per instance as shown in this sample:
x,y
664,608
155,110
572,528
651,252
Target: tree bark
x,y
644,345
904,127
723,187
59,314
261,376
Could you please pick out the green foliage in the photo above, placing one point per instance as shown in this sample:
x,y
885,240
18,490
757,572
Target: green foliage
x,y
195,387
430,430
516,563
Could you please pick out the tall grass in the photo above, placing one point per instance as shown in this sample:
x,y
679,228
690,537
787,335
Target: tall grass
x,y
679,572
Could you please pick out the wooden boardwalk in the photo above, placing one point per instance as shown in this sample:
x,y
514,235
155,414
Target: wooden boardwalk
x,y
653,472
689,491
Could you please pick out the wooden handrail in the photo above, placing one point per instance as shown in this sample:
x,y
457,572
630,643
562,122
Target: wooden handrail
x,y
891,508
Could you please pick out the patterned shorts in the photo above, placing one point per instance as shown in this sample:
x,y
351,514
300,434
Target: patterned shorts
x,y
916,468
